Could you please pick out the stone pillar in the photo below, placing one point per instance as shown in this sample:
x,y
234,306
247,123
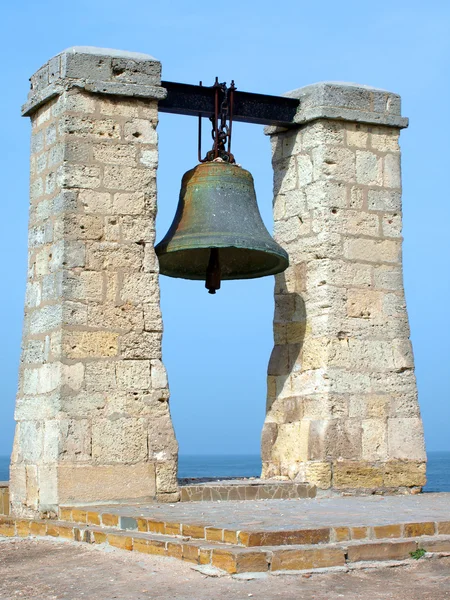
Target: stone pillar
x,y
342,409
93,420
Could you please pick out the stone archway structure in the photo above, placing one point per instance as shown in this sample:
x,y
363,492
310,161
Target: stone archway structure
x,y
93,420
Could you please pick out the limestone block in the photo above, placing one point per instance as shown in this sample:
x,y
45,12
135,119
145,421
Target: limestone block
x,y
121,440
89,127
67,254
140,131
125,317
29,444
67,440
392,225
111,231
370,406
32,489
354,474
285,410
268,437
364,304
405,439
82,403
150,263
388,277
33,352
404,473
73,375
166,477
403,354
95,202
106,482
139,287
346,221
291,444
394,305
74,313
111,256
120,154
83,286
319,474
33,294
118,177
339,273
369,168
90,344
322,133
43,379
158,374
377,251
384,200
162,444
304,169
356,197
291,229
321,194
100,376
78,176
83,227
362,355
333,162
134,374
291,204
405,404
39,235
391,171
136,229
374,440
149,158
285,176
141,345
335,438
402,382
78,101
48,488
129,203
357,135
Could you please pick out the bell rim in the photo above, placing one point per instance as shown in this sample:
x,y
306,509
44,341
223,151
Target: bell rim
x,y
281,265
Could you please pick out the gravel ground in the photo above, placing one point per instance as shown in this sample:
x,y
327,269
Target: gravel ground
x,y
48,570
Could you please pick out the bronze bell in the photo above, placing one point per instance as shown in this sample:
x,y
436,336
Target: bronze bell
x,y
217,232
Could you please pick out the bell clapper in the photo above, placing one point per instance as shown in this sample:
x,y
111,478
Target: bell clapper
x,y
213,272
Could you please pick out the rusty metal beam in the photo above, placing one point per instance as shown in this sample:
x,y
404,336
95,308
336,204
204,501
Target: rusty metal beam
x,y
260,109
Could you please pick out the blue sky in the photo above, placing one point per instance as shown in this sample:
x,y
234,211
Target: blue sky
x,y
216,348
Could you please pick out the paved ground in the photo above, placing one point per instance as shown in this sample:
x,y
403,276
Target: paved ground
x,y
47,570
282,515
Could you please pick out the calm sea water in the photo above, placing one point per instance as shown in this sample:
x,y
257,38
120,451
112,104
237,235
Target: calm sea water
x,y
438,471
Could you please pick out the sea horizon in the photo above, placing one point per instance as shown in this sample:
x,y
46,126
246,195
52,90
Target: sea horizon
x,y
249,465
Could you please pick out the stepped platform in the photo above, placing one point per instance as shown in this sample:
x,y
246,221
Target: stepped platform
x,y
209,489
260,536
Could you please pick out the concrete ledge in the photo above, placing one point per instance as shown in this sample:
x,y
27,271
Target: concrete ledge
x,y
346,102
97,70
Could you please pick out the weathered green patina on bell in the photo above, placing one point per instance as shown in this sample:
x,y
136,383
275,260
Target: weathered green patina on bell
x,y
217,232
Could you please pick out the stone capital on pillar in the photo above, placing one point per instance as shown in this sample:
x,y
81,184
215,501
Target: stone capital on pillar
x,y
342,408
93,420
96,70
340,101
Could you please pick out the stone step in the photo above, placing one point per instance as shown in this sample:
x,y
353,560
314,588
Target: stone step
x,y
132,518
231,558
243,489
